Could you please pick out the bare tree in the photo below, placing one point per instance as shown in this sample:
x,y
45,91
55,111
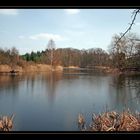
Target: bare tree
x,y
50,53
14,54
118,51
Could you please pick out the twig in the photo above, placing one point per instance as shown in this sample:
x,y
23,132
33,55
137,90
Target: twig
x,y
135,12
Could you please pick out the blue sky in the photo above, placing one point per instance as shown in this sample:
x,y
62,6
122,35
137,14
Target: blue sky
x,y
30,29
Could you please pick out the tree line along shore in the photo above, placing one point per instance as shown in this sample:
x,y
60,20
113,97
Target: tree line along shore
x,y
121,57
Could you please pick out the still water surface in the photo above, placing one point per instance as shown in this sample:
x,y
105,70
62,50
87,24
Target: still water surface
x,y
52,101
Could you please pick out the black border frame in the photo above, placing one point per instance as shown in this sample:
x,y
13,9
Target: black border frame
x,y
64,4
68,3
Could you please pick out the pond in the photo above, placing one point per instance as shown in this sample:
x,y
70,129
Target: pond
x,y
52,101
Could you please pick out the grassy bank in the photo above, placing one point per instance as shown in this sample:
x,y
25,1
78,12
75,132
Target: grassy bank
x,y
29,68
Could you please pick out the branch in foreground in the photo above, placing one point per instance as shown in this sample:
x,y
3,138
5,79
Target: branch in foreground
x,y
134,14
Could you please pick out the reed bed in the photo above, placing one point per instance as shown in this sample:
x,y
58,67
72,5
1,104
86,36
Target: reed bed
x,y
6,123
111,121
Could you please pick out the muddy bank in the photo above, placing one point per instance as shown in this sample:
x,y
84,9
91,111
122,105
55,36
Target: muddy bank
x,y
29,68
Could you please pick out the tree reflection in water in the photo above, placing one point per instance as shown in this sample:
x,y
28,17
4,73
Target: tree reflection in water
x,y
125,91
9,84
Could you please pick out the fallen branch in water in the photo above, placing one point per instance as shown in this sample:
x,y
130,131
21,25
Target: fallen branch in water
x,y
113,121
6,123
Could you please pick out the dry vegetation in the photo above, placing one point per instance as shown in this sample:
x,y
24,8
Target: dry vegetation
x,y
29,68
6,123
5,68
112,121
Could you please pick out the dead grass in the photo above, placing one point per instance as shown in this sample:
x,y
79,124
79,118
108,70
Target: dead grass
x,y
6,123
113,121
30,68
5,68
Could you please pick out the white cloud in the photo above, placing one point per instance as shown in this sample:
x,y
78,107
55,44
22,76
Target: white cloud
x,y
72,11
8,11
21,37
46,36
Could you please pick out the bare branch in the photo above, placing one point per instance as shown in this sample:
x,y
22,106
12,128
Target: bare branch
x,y
134,14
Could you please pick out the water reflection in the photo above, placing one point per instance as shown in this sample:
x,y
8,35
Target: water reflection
x,y
124,92
9,84
46,101
46,81
51,80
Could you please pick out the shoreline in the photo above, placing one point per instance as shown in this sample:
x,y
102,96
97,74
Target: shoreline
x,y
6,69
116,71
29,68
